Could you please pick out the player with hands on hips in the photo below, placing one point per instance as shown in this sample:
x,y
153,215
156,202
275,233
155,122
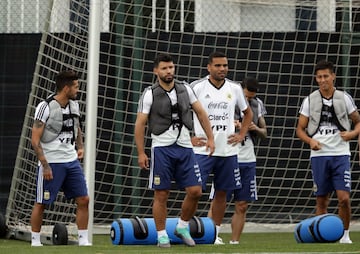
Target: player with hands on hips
x,y
219,96
246,161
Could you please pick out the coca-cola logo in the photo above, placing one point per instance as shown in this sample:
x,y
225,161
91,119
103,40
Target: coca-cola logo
x,y
218,105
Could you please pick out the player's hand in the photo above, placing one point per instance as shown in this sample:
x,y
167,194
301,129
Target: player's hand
x,y
143,161
237,124
235,139
199,141
253,126
80,153
210,146
315,144
47,172
346,135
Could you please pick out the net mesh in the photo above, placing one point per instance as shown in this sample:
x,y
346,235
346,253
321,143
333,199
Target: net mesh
x,y
278,42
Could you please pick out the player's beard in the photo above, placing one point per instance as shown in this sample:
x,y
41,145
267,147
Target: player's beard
x,y
219,76
167,79
72,96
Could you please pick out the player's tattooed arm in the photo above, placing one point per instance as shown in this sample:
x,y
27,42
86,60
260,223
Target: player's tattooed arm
x,y
38,124
80,144
79,139
37,131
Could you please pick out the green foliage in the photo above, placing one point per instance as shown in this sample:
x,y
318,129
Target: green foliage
x,y
250,243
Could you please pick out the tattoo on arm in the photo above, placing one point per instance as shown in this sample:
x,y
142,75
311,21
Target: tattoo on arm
x,y
38,124
79,140
38,148
40,154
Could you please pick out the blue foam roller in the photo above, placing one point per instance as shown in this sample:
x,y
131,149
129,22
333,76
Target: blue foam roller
x,y
303,233
328,228
138,231
133,231
202,230
323,228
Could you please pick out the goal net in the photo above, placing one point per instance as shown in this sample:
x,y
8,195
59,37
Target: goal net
x,y
276,41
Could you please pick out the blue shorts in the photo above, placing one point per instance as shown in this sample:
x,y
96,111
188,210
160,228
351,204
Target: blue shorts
x,y
173,162
67,177
331,173
248,190
225,169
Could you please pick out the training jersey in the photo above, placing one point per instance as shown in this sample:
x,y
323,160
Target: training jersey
x,y
328,133
61,149
219,103
170,136
246,149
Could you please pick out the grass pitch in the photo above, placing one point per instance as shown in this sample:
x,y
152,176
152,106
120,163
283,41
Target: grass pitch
x,y
250,243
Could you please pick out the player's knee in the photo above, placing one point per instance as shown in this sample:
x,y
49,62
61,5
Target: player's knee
x,y
194,192
83,201
241,207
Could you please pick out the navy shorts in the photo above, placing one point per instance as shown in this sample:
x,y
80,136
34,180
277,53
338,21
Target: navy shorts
x,y
176,163
67,177
331,173
225,169
248,190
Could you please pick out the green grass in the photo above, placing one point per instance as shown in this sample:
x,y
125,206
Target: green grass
x,y
250,243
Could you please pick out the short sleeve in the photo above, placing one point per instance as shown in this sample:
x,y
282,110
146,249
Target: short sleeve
x,y
42,112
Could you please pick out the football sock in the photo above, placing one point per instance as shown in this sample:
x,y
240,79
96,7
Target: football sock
x,y
83,236
161,233
35,237
182,223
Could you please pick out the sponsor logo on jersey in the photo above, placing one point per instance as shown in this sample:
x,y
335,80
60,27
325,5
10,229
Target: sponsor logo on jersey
x,y
218,105
222,117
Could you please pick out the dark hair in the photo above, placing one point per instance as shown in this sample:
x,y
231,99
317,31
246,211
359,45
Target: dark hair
x,y
65,78
215,54
251,84
323,65
163,57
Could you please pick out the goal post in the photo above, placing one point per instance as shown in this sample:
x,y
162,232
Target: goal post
x,y
91,105
276,41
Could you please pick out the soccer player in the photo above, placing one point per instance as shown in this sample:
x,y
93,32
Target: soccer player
x,y
324,125
246,160
166,107
219,96
55,133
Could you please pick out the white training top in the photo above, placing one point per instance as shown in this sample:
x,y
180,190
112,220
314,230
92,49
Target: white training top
x,y
60,150
328,133
219,104
246,150
170,136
